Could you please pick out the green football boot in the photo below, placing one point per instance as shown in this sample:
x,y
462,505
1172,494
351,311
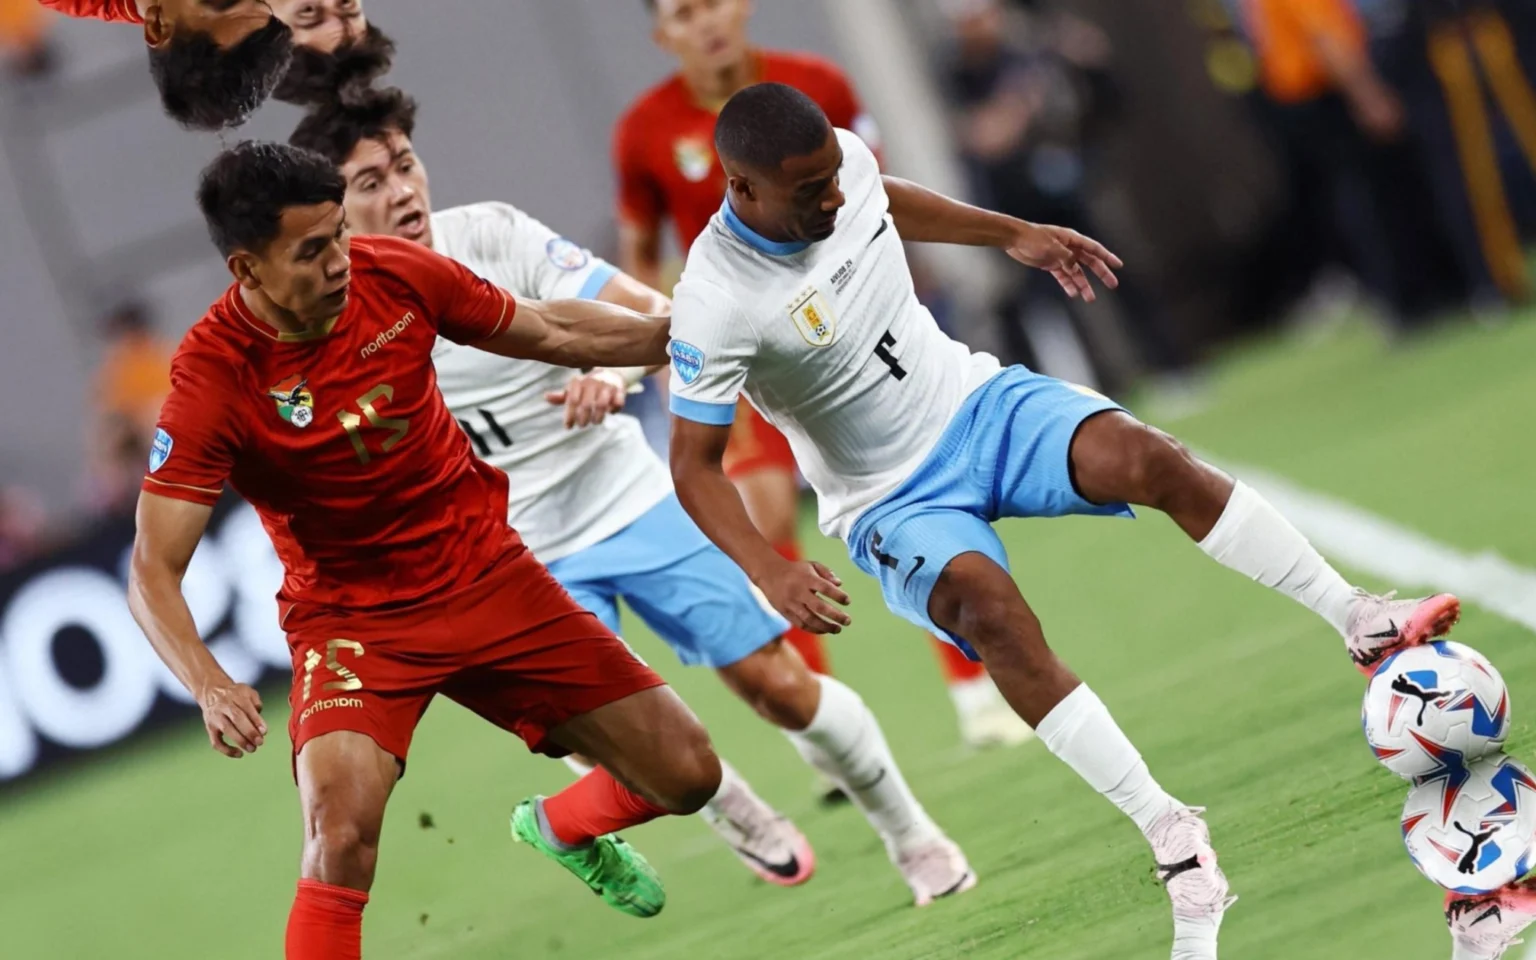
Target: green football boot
x,y
611,868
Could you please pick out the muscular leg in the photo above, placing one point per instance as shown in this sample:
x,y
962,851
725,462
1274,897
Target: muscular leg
x,y
837,734
345,780
976,598
1114,458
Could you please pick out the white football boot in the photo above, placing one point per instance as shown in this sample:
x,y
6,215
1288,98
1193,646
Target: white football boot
x,y
986,720
1380,626
1484,928
934,868
1186,866
766,841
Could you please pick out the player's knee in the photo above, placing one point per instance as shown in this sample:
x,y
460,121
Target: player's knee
x,y
695,777
341,851
780,688
1160,469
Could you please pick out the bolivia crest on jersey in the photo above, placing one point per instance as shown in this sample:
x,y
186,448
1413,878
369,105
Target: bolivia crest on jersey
x,y
294,401
695,158
814,319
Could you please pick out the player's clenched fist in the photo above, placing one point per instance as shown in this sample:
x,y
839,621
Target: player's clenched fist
x,y
232,715
590,397
800,592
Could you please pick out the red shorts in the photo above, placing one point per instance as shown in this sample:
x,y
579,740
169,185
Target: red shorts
x,y
755,445
512,646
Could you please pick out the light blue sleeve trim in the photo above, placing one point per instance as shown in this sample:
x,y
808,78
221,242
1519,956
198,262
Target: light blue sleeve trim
x,y
597,280
713,414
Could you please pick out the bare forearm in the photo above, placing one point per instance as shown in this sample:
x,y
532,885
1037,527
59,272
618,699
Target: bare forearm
x,y
925,216
156,601
715,505
583,333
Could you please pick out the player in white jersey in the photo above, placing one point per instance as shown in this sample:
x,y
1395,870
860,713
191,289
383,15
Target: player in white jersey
x,y
596,505
798,295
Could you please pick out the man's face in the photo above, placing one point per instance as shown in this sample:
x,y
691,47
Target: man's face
x,y
387,191
307,268
227,21
801,199
322,25
704,34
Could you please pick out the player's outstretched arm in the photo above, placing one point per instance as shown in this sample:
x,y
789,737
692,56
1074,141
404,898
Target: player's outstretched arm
x,y
590,397
925,216
582,333
799,591
168,533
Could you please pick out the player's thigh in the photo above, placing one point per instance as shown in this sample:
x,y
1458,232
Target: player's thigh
x,y
345,779
538,658
704,607
908,549
372,676
652,743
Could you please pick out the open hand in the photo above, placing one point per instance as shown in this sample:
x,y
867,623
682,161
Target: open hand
x,y
800,592
590,397
1063,254
232,716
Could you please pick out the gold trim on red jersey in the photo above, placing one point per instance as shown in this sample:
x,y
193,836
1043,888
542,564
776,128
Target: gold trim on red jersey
x,y
302,336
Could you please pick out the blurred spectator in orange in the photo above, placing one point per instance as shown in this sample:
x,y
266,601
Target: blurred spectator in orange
x,y
1356,179
1033,93
24,36
131,384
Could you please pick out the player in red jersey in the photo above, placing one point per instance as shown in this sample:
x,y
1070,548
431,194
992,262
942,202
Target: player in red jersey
x,y
664,152
214,61
309,387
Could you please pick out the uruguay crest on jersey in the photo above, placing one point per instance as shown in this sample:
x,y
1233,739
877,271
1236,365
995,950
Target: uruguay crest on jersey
x,y
294,401
814,319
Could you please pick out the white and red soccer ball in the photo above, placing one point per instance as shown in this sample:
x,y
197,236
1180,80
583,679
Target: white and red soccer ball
x,y
1471,827
1432,704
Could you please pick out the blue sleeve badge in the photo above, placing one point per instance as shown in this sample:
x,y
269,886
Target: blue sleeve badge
x,y
687,360
565,254
160,450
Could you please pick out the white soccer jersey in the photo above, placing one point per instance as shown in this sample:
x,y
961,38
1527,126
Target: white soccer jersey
x,y
570,489
827,340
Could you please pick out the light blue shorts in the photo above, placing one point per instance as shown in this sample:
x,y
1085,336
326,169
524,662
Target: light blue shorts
x,y
1005,454
680,584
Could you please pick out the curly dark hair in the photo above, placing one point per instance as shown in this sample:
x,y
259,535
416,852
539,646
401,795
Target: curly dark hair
x,y
334,129
204,87
317,78
245,190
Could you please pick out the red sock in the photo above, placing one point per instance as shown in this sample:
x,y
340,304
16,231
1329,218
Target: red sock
x,y
957,667
326,923
807,644
594,805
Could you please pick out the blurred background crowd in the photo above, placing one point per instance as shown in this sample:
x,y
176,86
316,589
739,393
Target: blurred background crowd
x,y
1261,165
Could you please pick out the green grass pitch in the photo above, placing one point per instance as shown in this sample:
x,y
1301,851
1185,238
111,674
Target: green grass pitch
x,y
1240,700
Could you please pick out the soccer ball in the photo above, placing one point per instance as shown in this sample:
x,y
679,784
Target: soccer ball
x,y
1429,701
1472,828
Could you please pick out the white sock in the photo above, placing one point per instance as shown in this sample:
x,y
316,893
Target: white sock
x,y
845,742
973,696
578,767
1255,540
1082,733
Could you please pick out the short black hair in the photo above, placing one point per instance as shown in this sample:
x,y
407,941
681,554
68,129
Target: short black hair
x,y
245,190
316,78
334,129
767,123
206,88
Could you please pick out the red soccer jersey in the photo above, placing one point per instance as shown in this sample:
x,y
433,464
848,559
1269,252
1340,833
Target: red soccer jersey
x,y
664,148
341,440
125,11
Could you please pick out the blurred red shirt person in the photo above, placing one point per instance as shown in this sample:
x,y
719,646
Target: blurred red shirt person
x,y
123,11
